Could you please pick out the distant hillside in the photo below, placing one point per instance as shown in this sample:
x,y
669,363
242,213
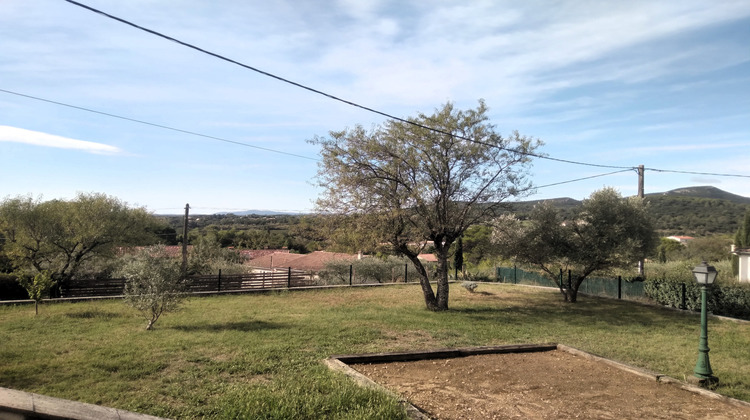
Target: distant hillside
x,y
693,211
705,192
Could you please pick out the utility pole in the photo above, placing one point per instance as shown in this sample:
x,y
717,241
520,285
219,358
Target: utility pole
x,y
640,195
640,181
184,240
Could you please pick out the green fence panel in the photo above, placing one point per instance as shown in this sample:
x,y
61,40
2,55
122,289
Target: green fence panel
x,y
597,286
633,289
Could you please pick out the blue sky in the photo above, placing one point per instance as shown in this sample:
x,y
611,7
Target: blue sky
x,y
663,84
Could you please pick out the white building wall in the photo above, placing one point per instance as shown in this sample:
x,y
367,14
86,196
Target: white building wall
x,y
744,268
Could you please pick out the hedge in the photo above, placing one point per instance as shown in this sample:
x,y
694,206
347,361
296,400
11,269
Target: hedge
x,y
731,300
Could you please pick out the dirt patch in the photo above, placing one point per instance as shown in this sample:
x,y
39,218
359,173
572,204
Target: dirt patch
x,y
540,385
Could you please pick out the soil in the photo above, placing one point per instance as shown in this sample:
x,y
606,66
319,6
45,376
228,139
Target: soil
x,y
542,385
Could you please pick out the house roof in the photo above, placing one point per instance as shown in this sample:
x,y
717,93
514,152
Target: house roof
x,y
427,257
276,259
314,261
252,254
680,238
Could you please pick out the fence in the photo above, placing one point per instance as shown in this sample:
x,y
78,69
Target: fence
x,y
279,278
609,287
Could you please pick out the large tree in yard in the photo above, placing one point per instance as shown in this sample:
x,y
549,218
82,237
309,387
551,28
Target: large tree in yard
x,y
607,231
423,181
60,237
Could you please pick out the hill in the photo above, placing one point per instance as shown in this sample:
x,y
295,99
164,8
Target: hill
x,y
693,211
704,192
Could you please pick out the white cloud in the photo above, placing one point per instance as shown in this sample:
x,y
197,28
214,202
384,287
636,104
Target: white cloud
x,y
36,138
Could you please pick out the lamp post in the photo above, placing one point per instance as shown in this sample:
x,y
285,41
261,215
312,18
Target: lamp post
x,y
705,275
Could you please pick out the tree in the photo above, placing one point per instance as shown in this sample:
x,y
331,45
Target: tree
x,y
741,240
606,232
208,257
37,286
669,249
411,184
709,248
61,236
153,283
478,244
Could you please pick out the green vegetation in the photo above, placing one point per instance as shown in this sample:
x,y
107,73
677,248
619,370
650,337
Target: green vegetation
x,y
695,216
67,238
606,232
259,356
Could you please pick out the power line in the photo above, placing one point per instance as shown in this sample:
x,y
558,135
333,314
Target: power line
x,y
624,168
576,180
696,173
319,92
157,125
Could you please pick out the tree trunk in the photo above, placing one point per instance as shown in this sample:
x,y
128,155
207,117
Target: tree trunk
x,y
36,307
571,292
442,278
424,280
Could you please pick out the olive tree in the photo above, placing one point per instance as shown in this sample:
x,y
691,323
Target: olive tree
x,y
606,231
423,181
60,236
153,282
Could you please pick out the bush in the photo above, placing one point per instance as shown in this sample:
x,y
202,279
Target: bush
x,y
368,270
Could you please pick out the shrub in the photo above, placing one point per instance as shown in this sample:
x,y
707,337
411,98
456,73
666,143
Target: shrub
x,y
469,285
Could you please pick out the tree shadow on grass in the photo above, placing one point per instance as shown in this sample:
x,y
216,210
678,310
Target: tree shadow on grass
x,y
242,326
588,310
93,314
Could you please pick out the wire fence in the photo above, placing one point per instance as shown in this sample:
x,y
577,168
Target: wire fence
x,y
599,286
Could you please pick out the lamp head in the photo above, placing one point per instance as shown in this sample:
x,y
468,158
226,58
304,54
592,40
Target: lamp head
x,y
704,273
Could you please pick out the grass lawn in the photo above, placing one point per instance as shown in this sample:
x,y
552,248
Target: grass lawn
x,y
259,356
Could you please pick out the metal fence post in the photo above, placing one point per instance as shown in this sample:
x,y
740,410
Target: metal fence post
x,y
683,305
406,273
289,278
218,288
619,287
515,274
351,270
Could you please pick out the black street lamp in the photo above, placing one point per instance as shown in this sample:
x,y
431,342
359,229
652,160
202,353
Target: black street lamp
x,y
705,275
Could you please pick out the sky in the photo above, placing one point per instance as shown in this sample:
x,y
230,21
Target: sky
x,y
156,124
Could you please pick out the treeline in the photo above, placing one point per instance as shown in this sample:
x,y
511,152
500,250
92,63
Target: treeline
x,y
672,215
300,233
